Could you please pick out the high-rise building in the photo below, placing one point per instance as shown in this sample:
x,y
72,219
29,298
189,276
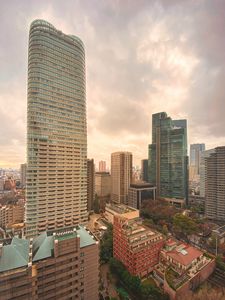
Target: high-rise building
x,y
102,166
144,170
23,171
56,130
90,184
168,161
121,176
195,153
203,156
215,185
103,187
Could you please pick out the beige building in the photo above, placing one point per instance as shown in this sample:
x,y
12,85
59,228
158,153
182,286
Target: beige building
x,y
61,264
102,184
121,176
121,210
90,184
102,166
11,214
56,189
215,185
23,172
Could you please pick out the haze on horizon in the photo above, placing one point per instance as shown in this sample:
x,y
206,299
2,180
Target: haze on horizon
x,y
142,57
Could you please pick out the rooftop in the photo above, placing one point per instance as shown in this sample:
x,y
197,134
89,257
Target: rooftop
x,y
120,208
15,253
184,254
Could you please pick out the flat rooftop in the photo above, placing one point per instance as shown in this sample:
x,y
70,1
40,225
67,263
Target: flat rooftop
x,y
120,208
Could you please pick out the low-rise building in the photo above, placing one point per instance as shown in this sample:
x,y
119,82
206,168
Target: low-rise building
x,y
61,264
122,210
135,245
182,268
139,192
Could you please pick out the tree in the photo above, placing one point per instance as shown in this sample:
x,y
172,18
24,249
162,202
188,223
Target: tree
x,y
106,245
165,230
96,204
184,224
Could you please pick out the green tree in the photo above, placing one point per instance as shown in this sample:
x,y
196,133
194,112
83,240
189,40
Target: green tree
x,y
106,245
96,204
184,224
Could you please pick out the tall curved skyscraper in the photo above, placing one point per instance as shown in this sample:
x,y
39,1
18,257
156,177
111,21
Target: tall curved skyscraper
x,y
56,130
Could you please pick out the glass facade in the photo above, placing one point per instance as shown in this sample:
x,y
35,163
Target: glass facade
x,y
56,130
168,162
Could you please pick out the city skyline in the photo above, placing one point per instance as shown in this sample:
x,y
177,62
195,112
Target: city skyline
x,y
178,69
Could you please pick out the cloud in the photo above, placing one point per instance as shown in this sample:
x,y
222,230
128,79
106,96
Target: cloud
x,y
142,57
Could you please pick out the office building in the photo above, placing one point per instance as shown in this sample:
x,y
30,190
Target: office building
x,y
103,187
56,189
205,154
135,245
168,162
139,192
90,184
61,264
102,166
215,185
195,153
121,176
23,171
144,170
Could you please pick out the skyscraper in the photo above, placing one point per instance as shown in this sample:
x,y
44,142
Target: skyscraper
x,y
121,176
144,170
90,183
23,171
203,155
56,130
215,185
168,162
102,166
195,153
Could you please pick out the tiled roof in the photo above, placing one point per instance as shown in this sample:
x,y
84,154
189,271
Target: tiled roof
x,y
186,255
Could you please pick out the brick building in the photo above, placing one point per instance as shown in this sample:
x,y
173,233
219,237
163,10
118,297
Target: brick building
x,y
135,245
61,264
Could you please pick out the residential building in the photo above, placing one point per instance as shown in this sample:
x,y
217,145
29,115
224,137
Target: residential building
x,y
182,268
121,176
56,189
11,214
135,245
103,187
168,161
205,154
140,191
144,170
121,210
90,184
61,264
9,184
23,171
215,185
102,166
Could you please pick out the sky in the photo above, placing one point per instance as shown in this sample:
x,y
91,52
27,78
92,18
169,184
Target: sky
x,y
142,57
